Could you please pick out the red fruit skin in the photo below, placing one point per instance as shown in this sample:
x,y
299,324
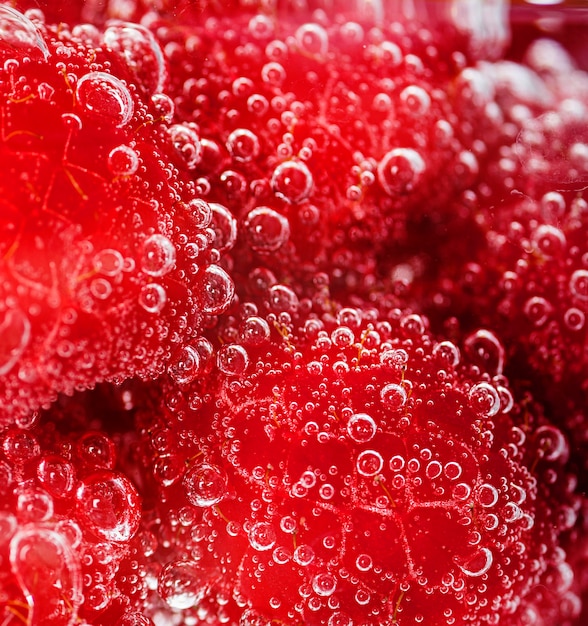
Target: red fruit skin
x,y
268,503
101,225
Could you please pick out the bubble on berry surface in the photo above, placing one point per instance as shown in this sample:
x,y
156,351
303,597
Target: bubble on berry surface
x,y
579,285
484,399
266,229
339,618
312,40
140,51
123,161
20,446
19,33
485,350
477,564
186,143
109,262
324,584
15,330
96,449
400,170
447,352
393,396
152,298
185,365
262,536
134,618
105,99
217,290
109,506
232,359
551,443
164,107
487,495
48,572
254,331
182,584
361,427
369,463
548,240
225,227
243,145
292,181
304,555
574,319
537,310
158,255
205,485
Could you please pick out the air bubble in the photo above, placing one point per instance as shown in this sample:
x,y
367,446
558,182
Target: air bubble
x,y
232,360
96,450
48,572
478,564
369,463
415,99
123,161
262,536
340,619
324,585
485,350
447,352
537,310
158,255
217,290
452,470
551,443
292,181
579,285
186,143
140,51
105,99
364,562
312,40
100,288
400,171
164,107
19,33
109,505
266,229
361,428
303,555
433,470
487,495
56,475
224,226
185,365
254,331
484,400
205,485
548,240
574,319
182,584
243,145
109,262
152,298
393,396
15,330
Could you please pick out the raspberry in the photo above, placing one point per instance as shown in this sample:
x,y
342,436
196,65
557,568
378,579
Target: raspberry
x,y
87,144
338,470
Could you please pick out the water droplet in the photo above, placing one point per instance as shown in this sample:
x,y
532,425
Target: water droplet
x,y
205,485
185,365
243,145
139,49
123,161
48,572
216,290
186,143
292,181
400,171
477,564
15,335
19,33
262,536
105,99
484,400
369,463
109,505
266,229
152,298
393,396
158,255
579,285
182,584
324,584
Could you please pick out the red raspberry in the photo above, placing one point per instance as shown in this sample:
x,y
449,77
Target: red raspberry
x,y
107,257
353,470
